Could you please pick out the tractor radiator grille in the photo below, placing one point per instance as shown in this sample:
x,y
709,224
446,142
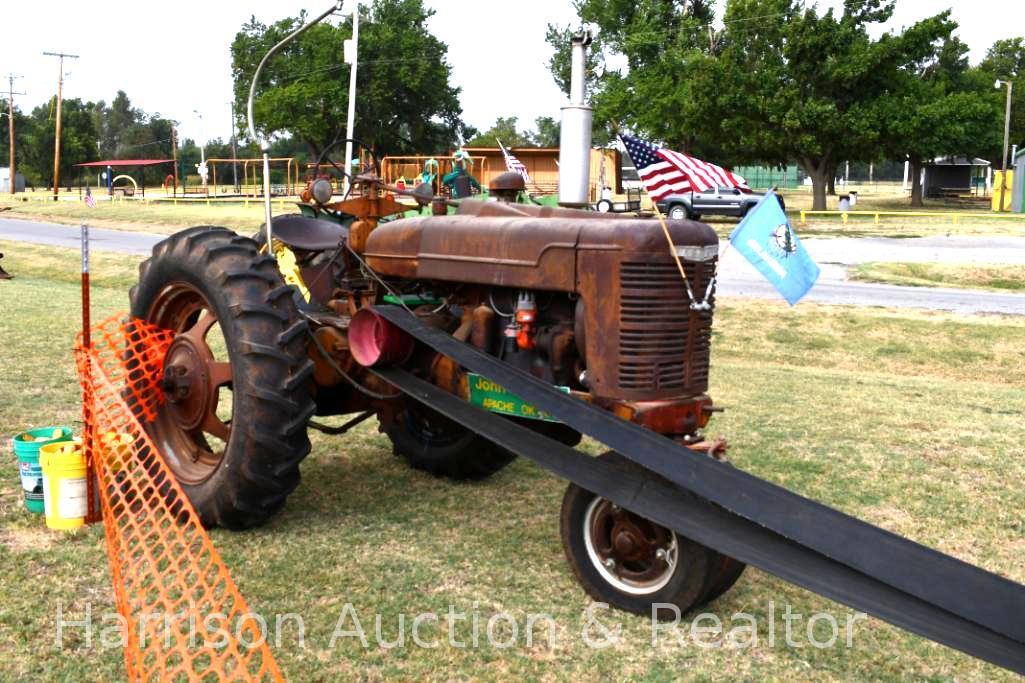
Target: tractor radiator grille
x,y
663,344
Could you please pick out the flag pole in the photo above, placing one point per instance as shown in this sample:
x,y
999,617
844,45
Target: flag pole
x,y
703,306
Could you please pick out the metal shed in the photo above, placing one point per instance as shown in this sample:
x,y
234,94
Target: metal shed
x,y
953,175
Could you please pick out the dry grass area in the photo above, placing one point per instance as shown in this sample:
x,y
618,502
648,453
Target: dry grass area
x,y
1002,277
157,217
166,218
913,421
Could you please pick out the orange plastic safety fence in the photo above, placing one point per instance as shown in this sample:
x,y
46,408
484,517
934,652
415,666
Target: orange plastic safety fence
x,y
184,618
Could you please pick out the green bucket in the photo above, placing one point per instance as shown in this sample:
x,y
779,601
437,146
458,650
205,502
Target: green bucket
x,y
28,461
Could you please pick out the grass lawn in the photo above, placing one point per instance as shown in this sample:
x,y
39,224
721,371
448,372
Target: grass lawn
x,y
913,421
166,218
974,276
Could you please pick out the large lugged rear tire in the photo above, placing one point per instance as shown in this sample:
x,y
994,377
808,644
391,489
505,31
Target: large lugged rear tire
x,y
431,442
236,471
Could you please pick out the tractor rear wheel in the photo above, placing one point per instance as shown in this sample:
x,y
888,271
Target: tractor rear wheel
x,y
435,444
233,427
630,562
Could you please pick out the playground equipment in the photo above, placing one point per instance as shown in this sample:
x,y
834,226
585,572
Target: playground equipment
x,y
115,190
429,169
252,189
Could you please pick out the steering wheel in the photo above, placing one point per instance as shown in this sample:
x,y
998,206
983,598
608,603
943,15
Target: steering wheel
x,y
344,170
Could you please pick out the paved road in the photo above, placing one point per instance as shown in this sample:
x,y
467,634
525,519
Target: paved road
x,y
737,277
68,236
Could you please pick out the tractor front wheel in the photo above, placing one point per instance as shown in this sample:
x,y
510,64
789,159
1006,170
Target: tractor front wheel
x,y
233,426
630,562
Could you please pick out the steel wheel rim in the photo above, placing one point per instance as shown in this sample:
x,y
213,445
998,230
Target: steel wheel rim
x,y
635,573
191,380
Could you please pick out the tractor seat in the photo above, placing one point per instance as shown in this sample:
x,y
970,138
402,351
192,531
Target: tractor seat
x,y
308,234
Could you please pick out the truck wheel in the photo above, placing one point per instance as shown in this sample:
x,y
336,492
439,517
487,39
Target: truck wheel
x,y
435,444
603,206
233,426
678,212
631,563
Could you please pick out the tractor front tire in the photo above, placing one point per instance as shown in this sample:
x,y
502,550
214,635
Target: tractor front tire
x,y
631,563
236,471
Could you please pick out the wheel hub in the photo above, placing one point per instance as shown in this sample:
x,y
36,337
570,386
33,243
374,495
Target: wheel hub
x,y
634,554
187,381
190,434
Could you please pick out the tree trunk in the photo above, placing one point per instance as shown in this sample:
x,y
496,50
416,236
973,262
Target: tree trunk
x,y
819,174
915,168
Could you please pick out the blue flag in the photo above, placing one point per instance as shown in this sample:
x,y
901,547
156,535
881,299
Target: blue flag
x,y
766,239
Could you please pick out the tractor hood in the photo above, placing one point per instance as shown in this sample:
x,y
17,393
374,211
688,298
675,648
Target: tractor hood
x,y
522,246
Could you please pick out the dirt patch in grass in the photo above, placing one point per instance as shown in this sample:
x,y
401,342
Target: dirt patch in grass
x,y
1003,277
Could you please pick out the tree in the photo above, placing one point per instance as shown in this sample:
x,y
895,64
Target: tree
x,y
816,88
404,104
547,133
78,141
503,130
1006,60
21,126
941,108
665,46
780,82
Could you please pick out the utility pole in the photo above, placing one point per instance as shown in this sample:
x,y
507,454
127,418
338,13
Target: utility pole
x,y
174,156
1007,135
57,137
350,57
12,185
234,150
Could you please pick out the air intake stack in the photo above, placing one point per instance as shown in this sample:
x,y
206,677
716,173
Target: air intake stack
x,y
575,138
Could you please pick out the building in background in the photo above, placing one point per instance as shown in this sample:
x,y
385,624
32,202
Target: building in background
x,y
541,162
953,176
5,181
1018,193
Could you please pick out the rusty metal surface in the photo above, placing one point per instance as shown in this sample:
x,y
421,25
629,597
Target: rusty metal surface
x,y
510,181
501,245
674,417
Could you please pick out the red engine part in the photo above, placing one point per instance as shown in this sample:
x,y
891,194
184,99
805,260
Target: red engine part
x,y
375,341
526,315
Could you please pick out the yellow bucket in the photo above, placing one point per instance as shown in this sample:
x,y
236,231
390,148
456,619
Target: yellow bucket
x,y
65,487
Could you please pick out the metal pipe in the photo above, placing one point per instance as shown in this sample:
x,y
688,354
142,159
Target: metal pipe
x,y
351,117
575,136
578,67
262,141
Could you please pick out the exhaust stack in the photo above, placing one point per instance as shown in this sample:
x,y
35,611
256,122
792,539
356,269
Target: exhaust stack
x,y
575,137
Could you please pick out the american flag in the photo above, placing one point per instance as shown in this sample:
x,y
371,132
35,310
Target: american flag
x,y
90,202
513,164
665,172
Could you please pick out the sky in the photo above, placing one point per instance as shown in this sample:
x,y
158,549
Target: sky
x,y
173,57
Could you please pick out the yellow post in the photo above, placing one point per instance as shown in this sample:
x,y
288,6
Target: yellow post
x,y
877,219
845,218
802,218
